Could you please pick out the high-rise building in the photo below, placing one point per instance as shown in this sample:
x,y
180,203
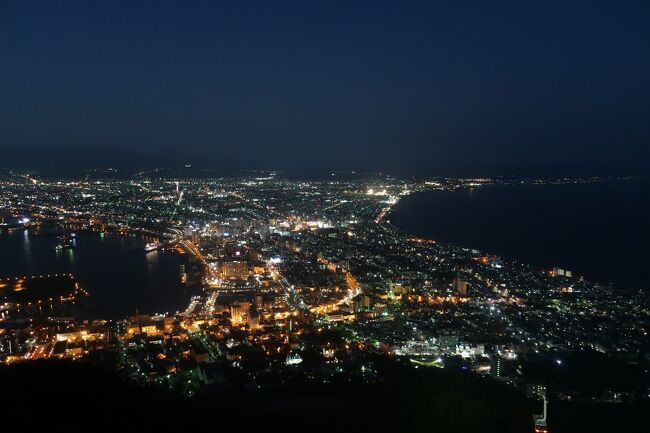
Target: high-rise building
x,y
259,301
460,286
448,341
239,313
234,269
253,319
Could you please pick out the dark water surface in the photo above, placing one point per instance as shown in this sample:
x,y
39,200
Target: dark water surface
x,y
116,271
599,230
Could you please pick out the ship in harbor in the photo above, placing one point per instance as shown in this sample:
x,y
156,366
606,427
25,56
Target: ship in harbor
x,y
66,242
152,246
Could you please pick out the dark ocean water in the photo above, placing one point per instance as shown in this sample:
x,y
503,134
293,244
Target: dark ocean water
x,y
599,230
116,271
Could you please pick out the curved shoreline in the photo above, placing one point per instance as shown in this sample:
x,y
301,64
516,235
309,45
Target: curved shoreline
x,y
104,269
531,238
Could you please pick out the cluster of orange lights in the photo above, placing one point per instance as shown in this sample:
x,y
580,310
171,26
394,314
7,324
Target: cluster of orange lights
x,y
482,259
438,300
422,240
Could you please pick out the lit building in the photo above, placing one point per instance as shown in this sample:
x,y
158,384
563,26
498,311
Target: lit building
x,y
234,269
239,313
460,286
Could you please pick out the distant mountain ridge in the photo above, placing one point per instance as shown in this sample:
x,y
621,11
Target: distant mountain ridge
x,y
75,161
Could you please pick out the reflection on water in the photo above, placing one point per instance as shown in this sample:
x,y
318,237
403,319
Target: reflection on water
x,y
27,250
115,269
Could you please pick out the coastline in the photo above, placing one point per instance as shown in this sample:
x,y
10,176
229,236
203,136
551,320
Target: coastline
x,y
105,265
482,218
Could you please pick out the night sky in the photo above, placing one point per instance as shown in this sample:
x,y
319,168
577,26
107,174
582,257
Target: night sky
x,y
406,87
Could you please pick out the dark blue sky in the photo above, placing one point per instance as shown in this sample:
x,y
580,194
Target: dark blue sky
x,y
422,87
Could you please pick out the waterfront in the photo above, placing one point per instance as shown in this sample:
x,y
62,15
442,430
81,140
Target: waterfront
x,y
598,230
307,283
114,269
